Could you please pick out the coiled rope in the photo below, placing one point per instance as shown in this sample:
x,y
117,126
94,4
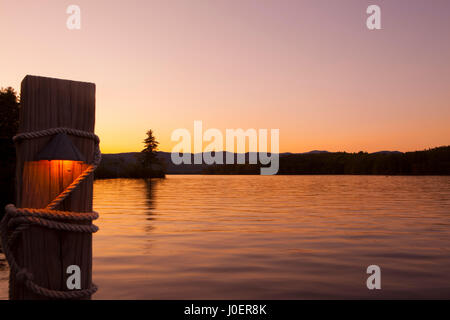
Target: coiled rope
x,y
17,220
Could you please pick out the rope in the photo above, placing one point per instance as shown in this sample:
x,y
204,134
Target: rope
x,y
17,220
52,131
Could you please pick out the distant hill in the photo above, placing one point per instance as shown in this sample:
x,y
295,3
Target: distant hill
x,y
386,152
427,162
316,151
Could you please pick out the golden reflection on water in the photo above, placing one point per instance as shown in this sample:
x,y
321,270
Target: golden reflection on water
x,y
279,237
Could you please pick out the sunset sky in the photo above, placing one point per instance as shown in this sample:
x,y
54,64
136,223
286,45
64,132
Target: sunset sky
x,y
309,68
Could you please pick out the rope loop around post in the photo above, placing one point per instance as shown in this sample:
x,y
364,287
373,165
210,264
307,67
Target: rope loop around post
x,y
52,131
17,220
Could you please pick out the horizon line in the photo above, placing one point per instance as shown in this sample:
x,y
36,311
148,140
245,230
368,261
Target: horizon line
x,y
289,152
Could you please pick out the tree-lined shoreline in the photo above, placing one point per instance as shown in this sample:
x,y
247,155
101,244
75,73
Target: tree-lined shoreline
x,y
434,161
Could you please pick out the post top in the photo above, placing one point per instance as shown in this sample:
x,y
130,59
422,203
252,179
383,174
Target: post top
x,y
29,76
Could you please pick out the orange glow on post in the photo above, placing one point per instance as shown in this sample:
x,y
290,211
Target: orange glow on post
x,y
43,180
65,164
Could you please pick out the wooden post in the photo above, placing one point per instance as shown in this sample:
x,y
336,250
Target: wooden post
x,y
49,103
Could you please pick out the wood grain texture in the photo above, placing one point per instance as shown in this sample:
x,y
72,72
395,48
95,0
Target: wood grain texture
x,y
50,103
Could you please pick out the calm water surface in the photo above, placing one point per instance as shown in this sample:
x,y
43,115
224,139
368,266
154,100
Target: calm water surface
x,y
279,237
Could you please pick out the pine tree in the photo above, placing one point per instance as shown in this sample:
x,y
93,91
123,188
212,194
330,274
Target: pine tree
x,y
149,151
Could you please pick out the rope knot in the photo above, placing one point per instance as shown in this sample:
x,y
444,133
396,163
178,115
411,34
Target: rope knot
x,y
23,275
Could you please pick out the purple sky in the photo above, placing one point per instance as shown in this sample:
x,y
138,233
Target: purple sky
x,y
309,68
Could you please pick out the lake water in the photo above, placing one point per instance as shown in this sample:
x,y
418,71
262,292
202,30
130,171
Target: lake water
x,y
276,237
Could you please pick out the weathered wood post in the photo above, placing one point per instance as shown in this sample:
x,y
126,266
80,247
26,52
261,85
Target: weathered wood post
x,y
46,253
